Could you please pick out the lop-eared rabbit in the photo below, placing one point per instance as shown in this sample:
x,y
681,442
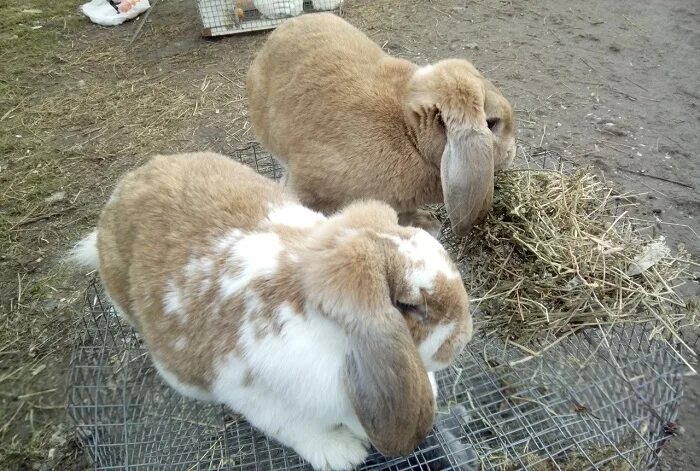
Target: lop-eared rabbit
x,y
350,122
323,332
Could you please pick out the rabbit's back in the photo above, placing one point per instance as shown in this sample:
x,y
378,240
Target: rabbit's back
x,y
326,100
314,74
188,195
319,37
158,238
173,206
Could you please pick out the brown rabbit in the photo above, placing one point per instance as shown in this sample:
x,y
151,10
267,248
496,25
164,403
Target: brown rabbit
x,y
322,331
349,122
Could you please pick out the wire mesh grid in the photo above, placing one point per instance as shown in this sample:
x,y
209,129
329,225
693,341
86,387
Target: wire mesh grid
x,y
222,17
598,400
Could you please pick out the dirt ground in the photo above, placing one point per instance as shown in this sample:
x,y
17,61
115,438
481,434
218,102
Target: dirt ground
x,y
613,85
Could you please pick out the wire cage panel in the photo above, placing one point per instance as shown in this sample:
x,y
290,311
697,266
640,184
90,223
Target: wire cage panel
x,y
222,17
601,399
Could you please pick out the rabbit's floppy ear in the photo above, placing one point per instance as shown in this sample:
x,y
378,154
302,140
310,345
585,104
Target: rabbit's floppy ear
x,y
457,91
386,380
389,387
466,171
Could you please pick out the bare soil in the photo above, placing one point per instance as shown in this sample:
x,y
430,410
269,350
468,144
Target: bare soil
x,y
613,85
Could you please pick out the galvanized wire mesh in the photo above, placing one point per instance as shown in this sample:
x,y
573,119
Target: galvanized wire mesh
x,y
603,399
222,17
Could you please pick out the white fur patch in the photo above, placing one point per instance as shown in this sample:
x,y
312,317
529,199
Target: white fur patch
x,y
204,285
432,343
429,257
253,256
231,377
172,302
310,347
433,383
252,303
294,215
229,240
305,360
423,71
200,269
181,343
84,254
285,313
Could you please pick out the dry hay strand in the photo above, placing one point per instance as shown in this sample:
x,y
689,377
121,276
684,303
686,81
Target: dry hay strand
x,y
557,254
629,454
604,458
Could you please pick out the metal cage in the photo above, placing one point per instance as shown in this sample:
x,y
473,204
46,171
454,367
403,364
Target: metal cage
x,y
222,17
602,399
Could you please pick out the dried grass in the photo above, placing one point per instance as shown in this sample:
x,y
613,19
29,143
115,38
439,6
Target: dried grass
x,y
606,458
77,109
557,254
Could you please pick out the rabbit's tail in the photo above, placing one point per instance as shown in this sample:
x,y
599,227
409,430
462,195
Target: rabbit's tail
x,y
84,254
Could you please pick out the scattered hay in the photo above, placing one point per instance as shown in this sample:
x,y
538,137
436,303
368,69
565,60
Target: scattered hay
x,y
603,458
630,452
558,253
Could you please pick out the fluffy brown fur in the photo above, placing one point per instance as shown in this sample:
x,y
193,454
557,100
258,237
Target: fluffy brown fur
x,y
351,122
158,217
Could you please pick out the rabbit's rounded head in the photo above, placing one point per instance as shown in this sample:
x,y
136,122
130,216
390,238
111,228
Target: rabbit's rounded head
x,y
397,294
477,128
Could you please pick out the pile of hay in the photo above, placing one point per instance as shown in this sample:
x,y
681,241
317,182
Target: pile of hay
x,y
607,458
558,253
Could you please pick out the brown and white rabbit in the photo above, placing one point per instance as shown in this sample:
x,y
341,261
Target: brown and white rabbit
x,y
350,122
321,331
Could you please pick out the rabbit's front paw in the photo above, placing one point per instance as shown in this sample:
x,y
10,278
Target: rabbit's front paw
x,y
337,449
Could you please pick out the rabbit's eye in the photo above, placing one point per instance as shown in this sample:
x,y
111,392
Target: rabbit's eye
x,y
494,124
415,311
